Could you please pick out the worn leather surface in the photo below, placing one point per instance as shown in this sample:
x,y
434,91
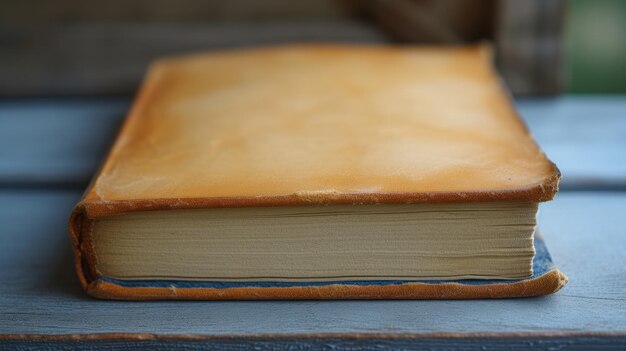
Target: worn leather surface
x,y
322,123
315,124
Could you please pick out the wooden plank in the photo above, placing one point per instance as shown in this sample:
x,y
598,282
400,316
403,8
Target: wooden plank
x,y
338,343
584,135
584,231
60,142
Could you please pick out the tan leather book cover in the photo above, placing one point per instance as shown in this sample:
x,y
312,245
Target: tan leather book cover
x,y
314,125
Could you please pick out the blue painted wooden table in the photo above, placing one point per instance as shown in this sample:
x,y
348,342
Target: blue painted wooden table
x,y
50,148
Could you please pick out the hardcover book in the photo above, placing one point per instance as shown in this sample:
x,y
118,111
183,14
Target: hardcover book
x,y
319,172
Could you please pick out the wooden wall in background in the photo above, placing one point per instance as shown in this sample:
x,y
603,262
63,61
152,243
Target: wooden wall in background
x,y
78,48
529,37
166,10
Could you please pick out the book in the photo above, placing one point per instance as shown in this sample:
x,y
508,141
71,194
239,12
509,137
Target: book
x,y
319,171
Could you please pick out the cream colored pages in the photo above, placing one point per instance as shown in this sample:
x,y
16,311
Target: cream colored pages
x,y
414,242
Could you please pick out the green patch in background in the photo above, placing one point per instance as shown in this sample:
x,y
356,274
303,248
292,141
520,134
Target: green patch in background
x,y
595,46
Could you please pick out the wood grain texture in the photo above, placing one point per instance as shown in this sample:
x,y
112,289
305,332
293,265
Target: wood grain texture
x,y
62,141
41,295
581,343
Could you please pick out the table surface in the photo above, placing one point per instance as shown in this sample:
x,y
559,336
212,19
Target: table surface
x,y
50,148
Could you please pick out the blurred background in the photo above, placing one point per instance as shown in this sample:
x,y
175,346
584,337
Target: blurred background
x,y
69,68
89,48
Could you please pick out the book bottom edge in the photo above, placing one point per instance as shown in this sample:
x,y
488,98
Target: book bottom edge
x,y
546,279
